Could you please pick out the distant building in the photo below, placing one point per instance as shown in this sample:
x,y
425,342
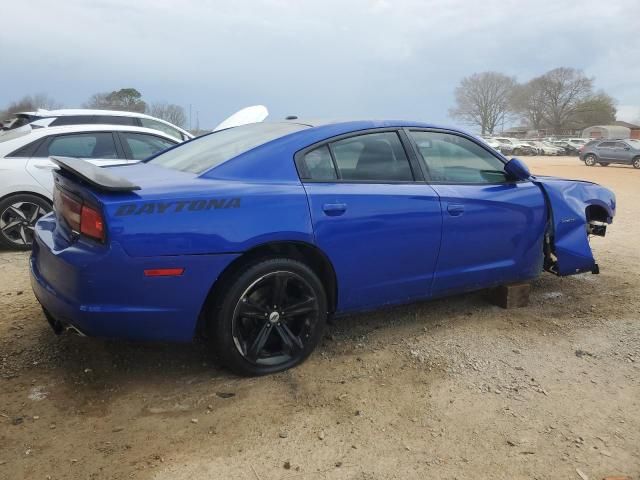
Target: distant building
x,y
617,130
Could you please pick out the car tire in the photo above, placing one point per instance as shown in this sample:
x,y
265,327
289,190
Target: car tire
x,y
18,216
604,164
636,162
269,318
590,160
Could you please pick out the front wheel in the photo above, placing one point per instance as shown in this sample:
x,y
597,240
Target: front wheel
x,y
18,217
636,162
270,317
590,160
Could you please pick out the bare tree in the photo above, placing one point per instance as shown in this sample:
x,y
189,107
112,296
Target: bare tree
x,y
484,99
528,101
127,99
29,103
170,112
599,109
564,90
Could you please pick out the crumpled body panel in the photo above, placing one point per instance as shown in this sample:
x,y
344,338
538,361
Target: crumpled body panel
x,y
568,230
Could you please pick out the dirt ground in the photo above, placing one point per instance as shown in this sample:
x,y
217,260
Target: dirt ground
x,y
449,389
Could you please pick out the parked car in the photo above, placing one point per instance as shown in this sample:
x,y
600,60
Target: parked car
x,y
25,122
253,236
606,152
519,148
569,149
504,148
26,182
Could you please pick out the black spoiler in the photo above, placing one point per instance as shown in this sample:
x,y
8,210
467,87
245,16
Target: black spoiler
x,y
98,177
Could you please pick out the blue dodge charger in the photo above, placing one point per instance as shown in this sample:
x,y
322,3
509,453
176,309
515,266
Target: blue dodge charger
x,y
253,235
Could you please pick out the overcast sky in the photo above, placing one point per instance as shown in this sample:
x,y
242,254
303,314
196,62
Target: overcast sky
x,y
322,58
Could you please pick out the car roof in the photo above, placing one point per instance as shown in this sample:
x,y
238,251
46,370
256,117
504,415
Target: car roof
x,y
66,112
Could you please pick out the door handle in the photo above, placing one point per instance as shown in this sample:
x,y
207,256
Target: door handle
x,y
455,209
334,209
45,166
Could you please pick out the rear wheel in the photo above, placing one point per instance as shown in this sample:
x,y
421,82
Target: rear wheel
x,y
270,317
590,160
636,162
18,217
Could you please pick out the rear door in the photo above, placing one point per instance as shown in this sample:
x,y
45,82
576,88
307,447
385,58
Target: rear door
x,y
373,216
99,148
493,227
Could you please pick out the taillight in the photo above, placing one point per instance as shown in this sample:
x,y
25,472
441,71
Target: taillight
x,y
91,223
81,218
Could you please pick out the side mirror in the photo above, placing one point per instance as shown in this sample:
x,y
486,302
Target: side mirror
x,y
517,169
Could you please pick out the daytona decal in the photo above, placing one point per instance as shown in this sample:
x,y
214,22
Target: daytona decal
x,y
149,208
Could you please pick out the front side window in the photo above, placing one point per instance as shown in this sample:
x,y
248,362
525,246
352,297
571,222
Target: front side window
x,y
163,127
143,146
454,159
209,151
83,145
376,157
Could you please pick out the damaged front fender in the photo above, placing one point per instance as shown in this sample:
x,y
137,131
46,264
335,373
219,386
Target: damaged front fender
x,y
576,209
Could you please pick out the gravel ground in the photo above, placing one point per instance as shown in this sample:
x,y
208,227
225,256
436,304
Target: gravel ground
x,y
454,388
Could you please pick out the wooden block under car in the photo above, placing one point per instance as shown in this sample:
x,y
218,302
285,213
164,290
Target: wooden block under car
x,y
513,295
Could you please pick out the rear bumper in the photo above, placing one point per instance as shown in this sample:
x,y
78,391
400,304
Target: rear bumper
x,y
103,291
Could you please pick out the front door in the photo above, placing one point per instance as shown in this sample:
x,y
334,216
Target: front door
x,y
96,147
374,217
493,227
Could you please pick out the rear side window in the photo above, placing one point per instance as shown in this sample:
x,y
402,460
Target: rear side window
x,y
375,157
83,145
607,144
162,127
27,151
318,165
72,120
143,146
209,151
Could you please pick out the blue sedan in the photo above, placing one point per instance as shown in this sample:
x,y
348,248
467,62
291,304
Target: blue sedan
x,y
254,235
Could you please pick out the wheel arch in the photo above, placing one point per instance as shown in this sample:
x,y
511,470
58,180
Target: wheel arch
x,y
27,192
304,252
597,213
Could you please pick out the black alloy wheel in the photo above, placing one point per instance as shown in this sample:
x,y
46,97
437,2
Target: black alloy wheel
x,y
271,317
18,217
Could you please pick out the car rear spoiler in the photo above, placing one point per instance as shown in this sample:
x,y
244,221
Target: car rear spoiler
x,y
97,177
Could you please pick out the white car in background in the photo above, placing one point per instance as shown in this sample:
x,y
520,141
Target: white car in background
x,y
544,148
26,181
25,122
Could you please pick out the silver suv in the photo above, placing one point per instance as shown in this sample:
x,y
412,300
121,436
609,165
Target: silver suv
x,y
605,152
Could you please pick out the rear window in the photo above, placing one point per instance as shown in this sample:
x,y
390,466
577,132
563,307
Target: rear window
x,y
209,151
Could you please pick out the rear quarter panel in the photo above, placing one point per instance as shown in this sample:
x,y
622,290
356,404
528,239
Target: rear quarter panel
x,y
217,217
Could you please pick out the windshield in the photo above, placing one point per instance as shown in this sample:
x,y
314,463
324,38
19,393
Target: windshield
x,y
209,151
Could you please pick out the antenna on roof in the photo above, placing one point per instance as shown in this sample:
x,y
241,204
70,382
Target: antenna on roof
x,y
291,117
